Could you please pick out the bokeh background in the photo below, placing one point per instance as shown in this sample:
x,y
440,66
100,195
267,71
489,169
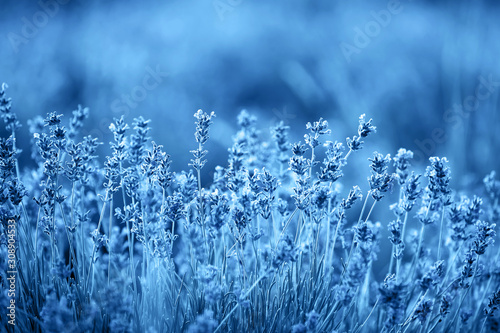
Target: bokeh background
x,y
427,72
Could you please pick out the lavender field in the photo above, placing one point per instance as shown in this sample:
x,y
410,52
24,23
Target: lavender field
x,y
345,181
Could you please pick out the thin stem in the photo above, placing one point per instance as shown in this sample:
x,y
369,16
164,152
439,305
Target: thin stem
x,y
110,231
420,298
440,235
335,237
14,149
297,232
69,236
312,162
286,225
398,262
347,155
466,291
37,268
237,305
201,208
485,290
327,255
419,246
359,222
391,262
368,317
484,323
354,245
129,236
275,229
363,208
98,227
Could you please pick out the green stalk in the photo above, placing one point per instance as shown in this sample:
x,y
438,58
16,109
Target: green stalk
x,y
440,235
368,317
354,245
237,305
71,248
466,292
201,208
110,233
327,245
398,262
98,227
419,246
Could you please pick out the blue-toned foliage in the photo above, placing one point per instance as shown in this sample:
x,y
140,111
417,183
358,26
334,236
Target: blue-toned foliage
x,y
274,243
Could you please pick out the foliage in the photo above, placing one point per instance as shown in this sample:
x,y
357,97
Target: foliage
x,y
273,244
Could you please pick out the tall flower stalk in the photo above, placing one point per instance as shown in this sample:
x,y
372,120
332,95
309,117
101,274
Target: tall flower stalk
x,y
273,240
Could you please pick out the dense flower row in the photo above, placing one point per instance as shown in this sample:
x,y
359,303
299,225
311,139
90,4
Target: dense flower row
x,y
274,244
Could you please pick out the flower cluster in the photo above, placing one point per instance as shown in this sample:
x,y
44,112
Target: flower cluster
x,y
380,181
277,239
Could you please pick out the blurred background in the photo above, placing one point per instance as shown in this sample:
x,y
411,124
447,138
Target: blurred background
x,y
427,72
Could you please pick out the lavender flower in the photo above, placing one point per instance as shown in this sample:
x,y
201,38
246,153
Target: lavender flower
x,y
9,118
286,252
299,328
473,211
17,192
492,185
119,146
379,163
402,163
204,120
424,308
445,305
354,195
439,178
76,122
317,128
204,323
380,181
299,165
379,184
298,149
493,304
219,205
465,315
138,140
333,162
457,222
392,296
433,276
187,185
320,196
203,123
364,129
395,228
484,236
467,270
174,207
53,119
312,321
280,136
195,236
425,218
240,219
302,193
262,205
355,143
57,315
411,191
269,183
